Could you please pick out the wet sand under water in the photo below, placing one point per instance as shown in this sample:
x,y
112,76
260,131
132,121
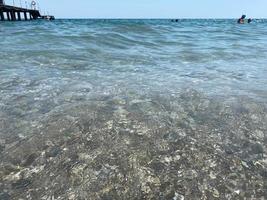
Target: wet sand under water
x,y
184,146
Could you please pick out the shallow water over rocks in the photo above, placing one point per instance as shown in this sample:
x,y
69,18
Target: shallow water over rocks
x,y
187,146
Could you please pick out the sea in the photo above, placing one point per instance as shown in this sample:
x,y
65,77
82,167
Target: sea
x,y
133,109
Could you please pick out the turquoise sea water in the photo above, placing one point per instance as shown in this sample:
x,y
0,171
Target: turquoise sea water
x,y
216,56
132,109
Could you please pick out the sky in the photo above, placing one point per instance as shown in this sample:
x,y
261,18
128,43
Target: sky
x,y
151,8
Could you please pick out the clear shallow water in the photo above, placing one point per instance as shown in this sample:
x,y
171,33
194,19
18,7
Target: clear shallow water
x,y
128,98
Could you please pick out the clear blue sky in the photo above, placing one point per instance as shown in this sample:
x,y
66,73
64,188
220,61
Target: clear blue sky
x,y
152,8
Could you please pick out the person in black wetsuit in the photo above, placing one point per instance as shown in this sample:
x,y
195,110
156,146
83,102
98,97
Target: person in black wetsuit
x,y
249,20
241,20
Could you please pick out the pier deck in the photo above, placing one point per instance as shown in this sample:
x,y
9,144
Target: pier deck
x,y
13,13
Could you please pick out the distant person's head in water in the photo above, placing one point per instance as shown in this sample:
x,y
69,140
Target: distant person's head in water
x,y
249,20
242,19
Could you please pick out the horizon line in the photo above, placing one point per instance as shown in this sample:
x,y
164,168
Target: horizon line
x,y
152,18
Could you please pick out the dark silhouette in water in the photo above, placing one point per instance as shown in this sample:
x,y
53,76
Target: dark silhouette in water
x,y
241,20
249,20
174,20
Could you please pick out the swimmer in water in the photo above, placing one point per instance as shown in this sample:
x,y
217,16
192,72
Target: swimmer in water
x,y
241,20
174,20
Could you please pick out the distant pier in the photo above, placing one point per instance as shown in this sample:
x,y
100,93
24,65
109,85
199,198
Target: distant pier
x,y
13,13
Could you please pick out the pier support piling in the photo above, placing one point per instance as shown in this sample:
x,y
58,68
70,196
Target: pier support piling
x,y
25,16
13,16
8,16
19,17
2,16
